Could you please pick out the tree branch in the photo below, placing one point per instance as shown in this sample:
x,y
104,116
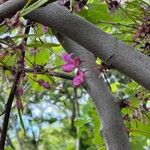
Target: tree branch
x,y
113,129
9,8
112,51
7,111
13,90
42,72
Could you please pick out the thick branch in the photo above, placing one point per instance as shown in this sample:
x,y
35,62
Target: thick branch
x,y
112,51
113,129
9,8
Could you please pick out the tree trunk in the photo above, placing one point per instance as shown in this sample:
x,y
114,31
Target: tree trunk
x,y
113,129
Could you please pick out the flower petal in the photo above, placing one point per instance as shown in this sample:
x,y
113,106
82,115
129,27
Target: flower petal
x,y
78,81
80,73
67,57
77,61
69,67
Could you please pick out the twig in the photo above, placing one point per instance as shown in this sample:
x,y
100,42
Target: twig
x,y
42,72
12,94
105,76
7,111
116,23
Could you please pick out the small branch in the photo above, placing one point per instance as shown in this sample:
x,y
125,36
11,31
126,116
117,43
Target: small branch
x,y
115,23
2,113
78,139
42,72
105,76
24,41
12,93
7,111
73,128
10,143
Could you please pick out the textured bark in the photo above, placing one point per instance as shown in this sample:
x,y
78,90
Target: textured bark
x,y
112,51
10,7
113,129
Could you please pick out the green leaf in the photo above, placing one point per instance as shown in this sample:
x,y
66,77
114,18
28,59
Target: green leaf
x,y
41,57
43,45
95,12
35,85
21,120
138,143
51,78
114,87
32,7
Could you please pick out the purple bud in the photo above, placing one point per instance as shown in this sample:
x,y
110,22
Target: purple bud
x,y
78,79
44,29
46,85
19,104
20,91
40,82
69,67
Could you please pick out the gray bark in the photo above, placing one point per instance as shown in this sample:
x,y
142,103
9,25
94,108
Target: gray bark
x,y
112,51
113,130
10,7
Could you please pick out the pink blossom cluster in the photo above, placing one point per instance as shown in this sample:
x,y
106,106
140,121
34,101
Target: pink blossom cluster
x,y
70,65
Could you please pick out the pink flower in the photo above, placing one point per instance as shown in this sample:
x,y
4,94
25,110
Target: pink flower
x,y
78,79
71,63
67,57
69,67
